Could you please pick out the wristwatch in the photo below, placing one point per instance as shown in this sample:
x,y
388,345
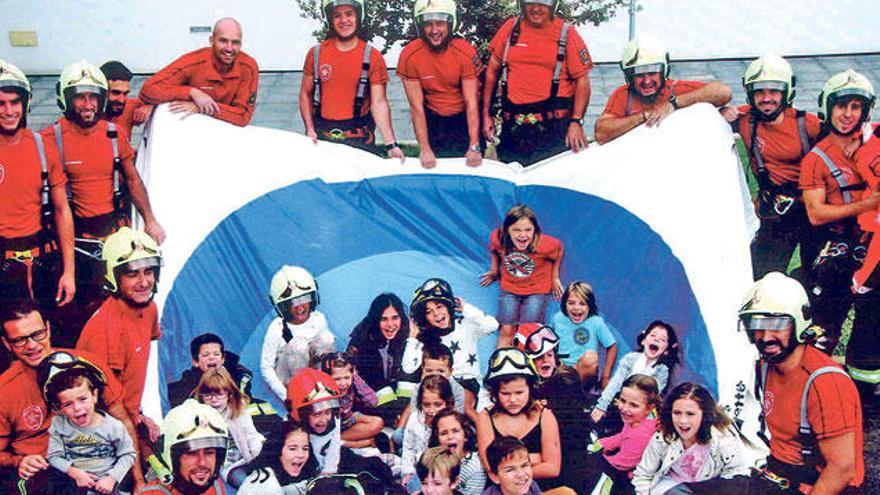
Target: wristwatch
x,y
673,100
390,146
578,121
476,148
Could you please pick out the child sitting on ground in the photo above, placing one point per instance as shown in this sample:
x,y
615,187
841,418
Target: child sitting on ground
x,y
456,432
582,330
438,471
90,446
435,394
509,468
355,395
208,352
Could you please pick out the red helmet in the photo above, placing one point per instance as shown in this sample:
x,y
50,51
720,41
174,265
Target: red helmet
x,y
311,387
535,339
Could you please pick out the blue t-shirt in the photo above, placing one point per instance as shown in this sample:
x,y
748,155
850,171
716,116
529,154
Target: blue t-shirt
x,y
576,339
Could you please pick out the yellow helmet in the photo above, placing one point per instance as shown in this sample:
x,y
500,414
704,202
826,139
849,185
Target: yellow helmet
x,y
644,54
13,79
129,249
81,77
842,85
189,427
770,72
359,5
774,297
435,10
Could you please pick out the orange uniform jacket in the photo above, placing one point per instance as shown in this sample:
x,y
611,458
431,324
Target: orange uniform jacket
x,y
868,166
780,145
235,91
440,74
24,415
88,163
617,103
123,120
20,185
120,335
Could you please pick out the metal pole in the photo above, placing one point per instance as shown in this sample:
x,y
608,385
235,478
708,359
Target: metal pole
x,y
632,19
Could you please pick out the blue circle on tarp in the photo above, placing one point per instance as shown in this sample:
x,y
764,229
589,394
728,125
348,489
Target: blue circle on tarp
x,y
388,234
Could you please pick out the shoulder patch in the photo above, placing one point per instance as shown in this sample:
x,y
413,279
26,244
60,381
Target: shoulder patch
x,y
585,56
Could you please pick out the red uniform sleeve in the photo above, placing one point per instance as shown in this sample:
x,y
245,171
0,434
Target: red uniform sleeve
x,y
499,41
813,126
832,406
113,390
57,177
124,144
469,62
241,110
309,63
156,333
378,69
403,65
170,83
577,57
616,105
811,176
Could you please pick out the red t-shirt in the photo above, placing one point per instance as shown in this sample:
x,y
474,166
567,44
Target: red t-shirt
x,y
532,59
20,184
779,145
120,335
339,72
617,103
88,162
815,173
24,415
833,409
440,74
235,90
524,273
123,120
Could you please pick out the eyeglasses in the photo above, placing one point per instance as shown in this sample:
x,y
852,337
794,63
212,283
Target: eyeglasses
x,y
37,336
216,394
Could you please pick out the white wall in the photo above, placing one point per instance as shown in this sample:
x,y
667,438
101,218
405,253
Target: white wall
x,y
147,34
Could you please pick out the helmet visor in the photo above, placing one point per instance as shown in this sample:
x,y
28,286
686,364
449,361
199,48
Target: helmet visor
x,y
647,68
843,93
219,441
435,16
86,88
540,342
549,3
765,322
776,85
9,84
133,266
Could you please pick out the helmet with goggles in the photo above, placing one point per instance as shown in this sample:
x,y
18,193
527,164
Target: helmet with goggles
x,y
128,250
776,302
644,55
536,339
510,362
293,286
51,374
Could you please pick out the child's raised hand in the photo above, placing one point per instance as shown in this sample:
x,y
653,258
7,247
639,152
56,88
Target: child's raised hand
x,y
459,304
413,329
488,278
82,478
557,289
105,485
597,415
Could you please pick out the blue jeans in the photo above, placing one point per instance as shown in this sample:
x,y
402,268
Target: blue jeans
x,y
513,309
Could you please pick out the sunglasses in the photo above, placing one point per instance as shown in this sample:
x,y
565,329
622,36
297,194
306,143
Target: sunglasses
x,y
539,342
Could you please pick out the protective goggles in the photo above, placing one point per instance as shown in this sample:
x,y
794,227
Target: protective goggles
x,y
765,322
298,301
435,286
647,68
61,362
540,342
510,361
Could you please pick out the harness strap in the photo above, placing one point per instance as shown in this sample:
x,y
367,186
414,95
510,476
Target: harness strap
x,y
316,78
808,451
762,174
560,58
836,173
46,211
802,130
59,143
363,81
629,103
512,39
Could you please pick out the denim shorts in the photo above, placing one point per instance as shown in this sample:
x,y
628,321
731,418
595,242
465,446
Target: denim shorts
x,y
514,309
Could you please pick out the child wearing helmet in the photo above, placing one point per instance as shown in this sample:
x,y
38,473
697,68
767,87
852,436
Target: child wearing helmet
x,y
434,318
85,443
299,335
582,330
527,262
514,412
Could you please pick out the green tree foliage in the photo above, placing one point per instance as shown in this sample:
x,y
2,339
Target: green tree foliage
x,y
478,20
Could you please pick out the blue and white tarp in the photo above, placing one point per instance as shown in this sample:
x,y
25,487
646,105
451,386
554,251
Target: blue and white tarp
x,y
658,221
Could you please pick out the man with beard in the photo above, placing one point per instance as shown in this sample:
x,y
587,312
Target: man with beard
x,y
123,111
219,81
542,69
24,415
776,136
649,96
342,95
810,405
194,442
122,328
35,220
439,73
98,161
835,194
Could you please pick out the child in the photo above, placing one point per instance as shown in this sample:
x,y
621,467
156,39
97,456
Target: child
x,y
621,453
582,329
510,468
437,360
208,352
217,390
358,429
284,466
433,320
696,451
90,446
656,355
455,432
435,394
530,262
514,412
438,471
300,333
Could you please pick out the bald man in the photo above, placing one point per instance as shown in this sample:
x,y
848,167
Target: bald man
x,y
219,80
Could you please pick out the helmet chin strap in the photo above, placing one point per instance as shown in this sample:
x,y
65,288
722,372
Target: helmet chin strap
x,y
187,487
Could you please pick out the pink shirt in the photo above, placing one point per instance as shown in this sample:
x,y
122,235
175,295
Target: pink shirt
x,y
687,468
630,443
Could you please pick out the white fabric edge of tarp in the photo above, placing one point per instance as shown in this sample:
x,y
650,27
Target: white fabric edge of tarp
x,y
713,199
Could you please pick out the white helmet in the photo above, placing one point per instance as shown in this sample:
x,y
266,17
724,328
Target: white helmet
x,y
292,286
775,302
842,85
192,426
13,79
644,54
81,77
129,249
770,72
435,10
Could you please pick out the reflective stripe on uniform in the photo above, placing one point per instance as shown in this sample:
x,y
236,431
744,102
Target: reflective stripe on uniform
x,y
866,376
